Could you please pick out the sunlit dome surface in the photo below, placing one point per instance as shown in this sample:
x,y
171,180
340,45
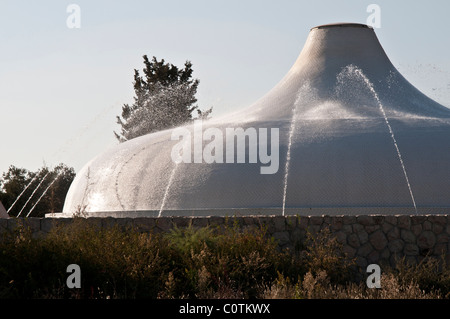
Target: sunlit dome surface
x,y
354,136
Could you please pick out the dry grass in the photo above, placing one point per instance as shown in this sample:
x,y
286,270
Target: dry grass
x,y
197,263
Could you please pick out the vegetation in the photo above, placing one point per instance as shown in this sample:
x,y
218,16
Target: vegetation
x,y
195,263
36,193
164,98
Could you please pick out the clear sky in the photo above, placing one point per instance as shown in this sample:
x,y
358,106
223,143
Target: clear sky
x,y
61,87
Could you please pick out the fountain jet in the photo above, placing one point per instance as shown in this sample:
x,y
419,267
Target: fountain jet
x,y
337,150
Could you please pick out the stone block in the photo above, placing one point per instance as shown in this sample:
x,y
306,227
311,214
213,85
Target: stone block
x,y
248,220
404,221
438,219
418,220
411,250
336,223
361,262
47,224
291,222
363,236
391,219
125,223
348,220
364,250
216,221
264,221
365,220
315,220
238,221
14,223
408,236
371,228
108,222
314,229
326,220
182,222
166,224
348,229
143,224
385,254
303,222
349,251
442,238
93,221
353,240
440,249
396,246
357,228
378,219
378,240
33,223
373,257
416,229
394,233
279,223
426,240
386,227
437,228
38,234
201,222
341,237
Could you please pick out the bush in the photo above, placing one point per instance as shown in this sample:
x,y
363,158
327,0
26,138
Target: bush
x,y
114,263
432,275
195,262
324,254
227,264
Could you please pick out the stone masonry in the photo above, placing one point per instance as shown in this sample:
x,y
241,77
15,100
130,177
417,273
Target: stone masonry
x,y
368,238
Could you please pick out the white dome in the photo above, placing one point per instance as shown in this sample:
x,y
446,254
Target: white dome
x,y
354,135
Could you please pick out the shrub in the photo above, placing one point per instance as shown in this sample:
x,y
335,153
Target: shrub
x,y
114,263
324,254
230,263
431,274
195,262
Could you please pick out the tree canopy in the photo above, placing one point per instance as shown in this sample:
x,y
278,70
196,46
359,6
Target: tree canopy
x,y
26,193
164,98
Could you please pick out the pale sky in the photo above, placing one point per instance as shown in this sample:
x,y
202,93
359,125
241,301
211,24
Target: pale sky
x,y
61,88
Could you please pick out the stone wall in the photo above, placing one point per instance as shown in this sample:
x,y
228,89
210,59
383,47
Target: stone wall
x,y
370,238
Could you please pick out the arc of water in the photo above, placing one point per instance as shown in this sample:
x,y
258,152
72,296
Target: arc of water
x,y
305,95
43,194
32,194
23,192
169,184
369,84
196,129
57,156
288,153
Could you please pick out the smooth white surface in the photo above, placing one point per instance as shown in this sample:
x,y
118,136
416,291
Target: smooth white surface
x,y
342,153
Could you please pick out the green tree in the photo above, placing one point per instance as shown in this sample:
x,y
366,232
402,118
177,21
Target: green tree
x,y
24,192
164,98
